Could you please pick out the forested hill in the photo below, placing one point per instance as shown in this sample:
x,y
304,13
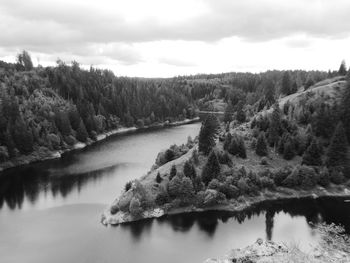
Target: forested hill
x,y
45,109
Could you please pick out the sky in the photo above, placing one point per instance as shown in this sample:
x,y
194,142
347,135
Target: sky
x,y
161,38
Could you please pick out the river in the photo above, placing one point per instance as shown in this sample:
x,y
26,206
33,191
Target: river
x,y
50,211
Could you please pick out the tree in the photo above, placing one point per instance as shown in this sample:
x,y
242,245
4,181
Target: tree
x,y
338,150
309,82
345,110
74,118
158,178
207,134
135,208
241,117
228,112
211,169
82,134
173,172
22,136
189,170
313,154
286,84
25,61
275,126
237,147
342,69
261,145
289,149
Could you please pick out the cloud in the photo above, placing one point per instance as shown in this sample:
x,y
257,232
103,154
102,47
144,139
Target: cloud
x,y
118,32
176,62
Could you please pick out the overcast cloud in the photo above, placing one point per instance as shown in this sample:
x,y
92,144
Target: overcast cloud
x,y
165,38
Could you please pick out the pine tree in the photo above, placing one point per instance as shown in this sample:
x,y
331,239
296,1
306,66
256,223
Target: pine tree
x,y
211,169
275,126
289,150
207,134
227,141
345,110
313,154
189,170
342,69
338,150
173,172
23,137
261,145
241,116
158,178
82,134
228,112
286,84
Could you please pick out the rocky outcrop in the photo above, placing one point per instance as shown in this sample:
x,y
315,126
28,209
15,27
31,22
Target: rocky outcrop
x,y
260,251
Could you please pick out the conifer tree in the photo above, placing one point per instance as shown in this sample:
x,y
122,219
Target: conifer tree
x,y
275,126
286,84
173,172
189,170
345,110
289,150
207,134
338,150
313,154
241,116
228,112
227,141
211,169
261,145
158,178
23,138
82,134
342,69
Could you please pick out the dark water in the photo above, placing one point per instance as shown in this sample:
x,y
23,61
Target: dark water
x,y
50,212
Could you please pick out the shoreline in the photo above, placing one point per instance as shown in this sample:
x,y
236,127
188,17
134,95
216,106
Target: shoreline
x,y
37,156
282,194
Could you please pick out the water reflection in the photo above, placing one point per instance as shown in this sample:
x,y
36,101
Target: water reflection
x,y
313,211
31,181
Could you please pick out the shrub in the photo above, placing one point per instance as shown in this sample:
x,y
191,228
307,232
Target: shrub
x,y
224,158
280,175
173,172
114,209
158,178
229,191
135,207
162,198
337,175
243,186
261,145
214,184
127,186
267,182
308,177
292,179
289,150
263,161
324,177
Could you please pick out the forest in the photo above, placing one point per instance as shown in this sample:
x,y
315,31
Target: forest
x,y
45,109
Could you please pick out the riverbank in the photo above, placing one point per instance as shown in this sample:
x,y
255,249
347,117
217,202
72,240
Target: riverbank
x,y
42,154
239,205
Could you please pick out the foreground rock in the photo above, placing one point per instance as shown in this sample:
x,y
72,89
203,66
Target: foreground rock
x,y
260,251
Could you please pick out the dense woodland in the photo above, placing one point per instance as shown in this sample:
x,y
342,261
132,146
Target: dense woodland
x,y
52,108
261,146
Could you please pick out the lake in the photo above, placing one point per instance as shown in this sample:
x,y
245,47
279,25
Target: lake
x,y
50,211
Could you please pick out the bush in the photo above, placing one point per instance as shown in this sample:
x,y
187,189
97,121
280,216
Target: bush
x,y
337,175
224,158
263,161
135,207
308,177
158,178
243,186
324,177
292,179
229,191
214,184
114,209
261,145
162,198
267,182
280,175
127,186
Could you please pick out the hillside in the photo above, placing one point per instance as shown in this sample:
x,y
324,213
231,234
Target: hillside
x,y
282,152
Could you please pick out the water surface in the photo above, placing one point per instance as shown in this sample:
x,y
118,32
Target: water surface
x,y
50,211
